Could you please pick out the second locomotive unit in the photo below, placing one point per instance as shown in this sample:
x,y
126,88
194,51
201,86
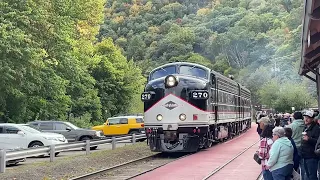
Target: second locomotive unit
x,y
188,106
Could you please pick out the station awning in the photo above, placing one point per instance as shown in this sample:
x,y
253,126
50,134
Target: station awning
x,y
310,52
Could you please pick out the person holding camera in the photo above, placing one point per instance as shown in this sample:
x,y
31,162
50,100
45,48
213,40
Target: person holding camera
x,y
309,163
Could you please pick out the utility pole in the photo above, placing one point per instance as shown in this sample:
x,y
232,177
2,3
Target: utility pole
x,y
275,69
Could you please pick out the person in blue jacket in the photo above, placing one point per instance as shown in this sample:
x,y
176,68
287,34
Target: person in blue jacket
x,y
296,158
280,162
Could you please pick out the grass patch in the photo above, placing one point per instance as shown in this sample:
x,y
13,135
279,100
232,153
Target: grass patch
x,y
77,165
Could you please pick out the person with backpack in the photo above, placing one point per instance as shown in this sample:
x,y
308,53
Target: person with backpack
x,y
265,146
296,158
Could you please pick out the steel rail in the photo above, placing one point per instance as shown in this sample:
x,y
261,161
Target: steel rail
x,y
105,170
139,174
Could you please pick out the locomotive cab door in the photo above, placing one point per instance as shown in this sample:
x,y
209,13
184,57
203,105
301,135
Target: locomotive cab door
x,y
214,94
239,102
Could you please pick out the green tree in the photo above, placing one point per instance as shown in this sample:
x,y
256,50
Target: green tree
x,y
136,48
293,95
117,80
30,89
193,58
269,93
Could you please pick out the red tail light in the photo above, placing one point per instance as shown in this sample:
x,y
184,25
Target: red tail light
x,y
194,130
198,130
195,117
142,125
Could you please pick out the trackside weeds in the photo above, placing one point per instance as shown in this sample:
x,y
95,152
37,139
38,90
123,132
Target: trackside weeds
x,y
74,166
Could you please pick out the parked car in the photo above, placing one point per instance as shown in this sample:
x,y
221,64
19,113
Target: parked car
x,y
69,130
122,125
13,136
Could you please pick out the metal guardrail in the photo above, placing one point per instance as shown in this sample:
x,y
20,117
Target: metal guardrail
x,y
44,150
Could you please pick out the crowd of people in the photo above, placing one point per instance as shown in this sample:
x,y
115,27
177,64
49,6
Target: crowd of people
x,y
289,145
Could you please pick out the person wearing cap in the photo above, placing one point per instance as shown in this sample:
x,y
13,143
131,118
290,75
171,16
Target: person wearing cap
x,y
265,145
309,139
280,162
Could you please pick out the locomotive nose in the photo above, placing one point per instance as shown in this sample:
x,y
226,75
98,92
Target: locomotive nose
x,y
171,81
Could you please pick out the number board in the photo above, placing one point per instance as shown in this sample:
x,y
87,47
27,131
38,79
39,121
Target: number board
x,y
146,96
200,94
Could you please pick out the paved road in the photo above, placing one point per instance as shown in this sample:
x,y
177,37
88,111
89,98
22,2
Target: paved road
x,y
77,151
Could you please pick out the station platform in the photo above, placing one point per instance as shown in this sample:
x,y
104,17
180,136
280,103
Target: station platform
x,y
199,165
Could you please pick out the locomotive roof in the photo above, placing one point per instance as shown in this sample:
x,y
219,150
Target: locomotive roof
x,y
243,87
181,63
204,67
230,80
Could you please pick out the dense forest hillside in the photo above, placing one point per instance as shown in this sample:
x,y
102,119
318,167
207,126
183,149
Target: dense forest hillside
x,y
52,67
257,41
84,61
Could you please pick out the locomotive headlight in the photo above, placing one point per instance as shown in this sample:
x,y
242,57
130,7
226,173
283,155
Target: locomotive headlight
x,y
182,117
159,117
171,81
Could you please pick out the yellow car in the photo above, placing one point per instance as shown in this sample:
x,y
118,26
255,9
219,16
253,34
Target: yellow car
x,y
122,125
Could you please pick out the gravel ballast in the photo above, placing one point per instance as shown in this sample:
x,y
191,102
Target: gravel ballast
x,y
74,166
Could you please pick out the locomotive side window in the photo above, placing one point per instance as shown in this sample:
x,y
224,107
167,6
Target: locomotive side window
x,y
220,94
213,95
193,71
229,101
162,72
224,98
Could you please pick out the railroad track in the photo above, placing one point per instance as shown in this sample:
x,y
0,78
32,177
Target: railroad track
x,y
144,165
215,171
133,168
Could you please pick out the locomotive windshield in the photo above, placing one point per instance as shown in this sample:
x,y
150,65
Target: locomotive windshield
x,y
193,71
162,72
183,69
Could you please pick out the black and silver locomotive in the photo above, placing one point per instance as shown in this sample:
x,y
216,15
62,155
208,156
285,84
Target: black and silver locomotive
x,y
188,106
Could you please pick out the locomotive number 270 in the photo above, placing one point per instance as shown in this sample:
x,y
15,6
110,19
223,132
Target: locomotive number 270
x,y
200,95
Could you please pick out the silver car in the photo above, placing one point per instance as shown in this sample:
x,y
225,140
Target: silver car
x,y
69,130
